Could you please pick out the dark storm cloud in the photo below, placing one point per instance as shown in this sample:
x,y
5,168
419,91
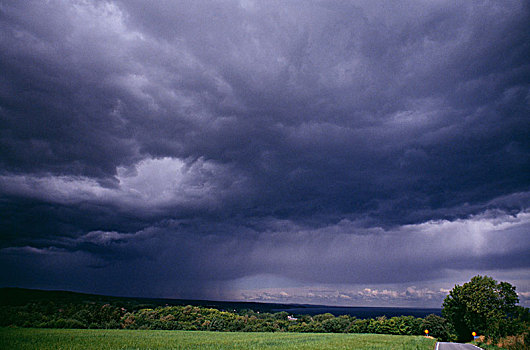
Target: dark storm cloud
x,y
259,127
189,258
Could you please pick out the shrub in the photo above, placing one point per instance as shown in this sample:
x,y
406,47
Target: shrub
x,y
65,323
335,325
322,317
438,327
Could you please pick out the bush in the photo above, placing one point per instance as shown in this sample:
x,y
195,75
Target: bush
x,y
65,323
323,317
438,327
518,342
359,326
336,324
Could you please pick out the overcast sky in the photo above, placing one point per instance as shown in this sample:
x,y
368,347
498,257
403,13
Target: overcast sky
x,y
328,152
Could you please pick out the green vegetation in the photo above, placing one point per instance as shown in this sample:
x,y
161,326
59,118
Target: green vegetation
x,y
41,309
485,307
511,342
439,328
481,305
195,318
73,339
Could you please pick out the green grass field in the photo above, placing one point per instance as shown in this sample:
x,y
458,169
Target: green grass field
x,y
62,339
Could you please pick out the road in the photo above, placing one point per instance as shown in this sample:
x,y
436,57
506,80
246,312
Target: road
x,y
455,346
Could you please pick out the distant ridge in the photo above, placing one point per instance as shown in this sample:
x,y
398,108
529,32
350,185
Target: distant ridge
x,y
21,296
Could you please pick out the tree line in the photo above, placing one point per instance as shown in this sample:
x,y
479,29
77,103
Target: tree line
x,y
196,318
482,306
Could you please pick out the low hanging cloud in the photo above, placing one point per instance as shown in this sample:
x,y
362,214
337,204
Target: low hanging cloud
x,y
182,147
195,259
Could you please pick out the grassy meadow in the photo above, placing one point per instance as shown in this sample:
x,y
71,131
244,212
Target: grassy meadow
x,y
73,339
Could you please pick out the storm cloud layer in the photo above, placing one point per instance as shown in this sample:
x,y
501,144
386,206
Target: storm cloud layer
x,y
311,151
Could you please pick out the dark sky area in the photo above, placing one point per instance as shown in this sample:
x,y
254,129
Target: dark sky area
x,y
326,152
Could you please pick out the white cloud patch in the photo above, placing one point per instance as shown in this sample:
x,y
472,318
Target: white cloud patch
x,y
348,296
153,183
397,295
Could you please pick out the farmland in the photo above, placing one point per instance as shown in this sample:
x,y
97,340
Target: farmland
x,y
73,339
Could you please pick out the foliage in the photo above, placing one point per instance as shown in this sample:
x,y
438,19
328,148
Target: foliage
x,y
512,342
336,324
483,306
92,315
439,328
70,311
47,314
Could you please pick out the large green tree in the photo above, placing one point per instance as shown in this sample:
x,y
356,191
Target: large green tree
x,y
481,305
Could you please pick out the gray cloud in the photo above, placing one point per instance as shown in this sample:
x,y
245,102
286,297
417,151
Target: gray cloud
x,y
193,258
259,136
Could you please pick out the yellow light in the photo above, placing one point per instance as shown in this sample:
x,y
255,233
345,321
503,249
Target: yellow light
x,y
426,331
474,334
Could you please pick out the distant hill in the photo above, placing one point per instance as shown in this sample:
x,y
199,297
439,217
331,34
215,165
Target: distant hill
x,y
22,296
